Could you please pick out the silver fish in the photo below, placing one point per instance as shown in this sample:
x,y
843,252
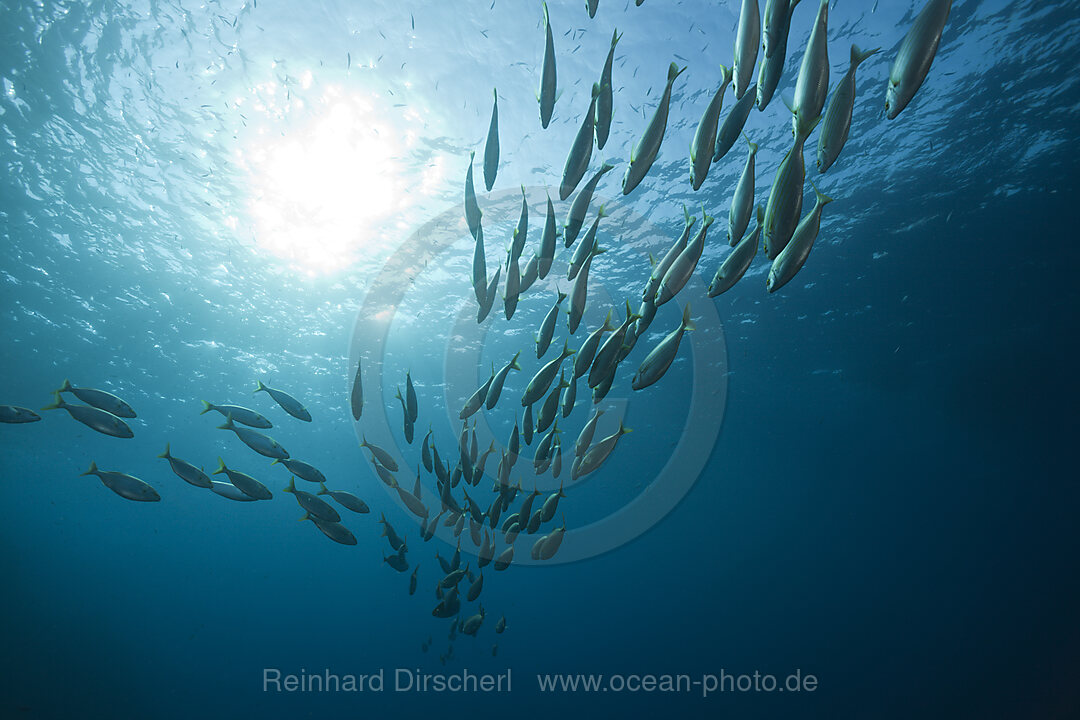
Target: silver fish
x,y
288,403
786,196
738,261
472,210
915,56
682,268
733,124
837,122
547,327
701,149
644,153
742,202
812,85
94,418
577,160
546,96
575,217
491,147
547,241
100,399
657,362
791,260
495,389
186,471
747,39
603,103
126,486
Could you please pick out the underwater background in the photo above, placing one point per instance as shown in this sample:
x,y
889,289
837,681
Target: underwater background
x,y
200,196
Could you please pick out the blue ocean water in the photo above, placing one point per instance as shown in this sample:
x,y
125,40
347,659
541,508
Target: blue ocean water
x,y
877,488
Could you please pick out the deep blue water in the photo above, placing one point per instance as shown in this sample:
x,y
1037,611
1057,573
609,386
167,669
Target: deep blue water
x,y
878,487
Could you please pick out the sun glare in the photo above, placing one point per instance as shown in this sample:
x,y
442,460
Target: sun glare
x,y
320,192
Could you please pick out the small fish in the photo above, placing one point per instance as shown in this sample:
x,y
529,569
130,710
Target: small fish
x,y
506,557
476,400
547,329
597,454
100,399
356,398
489,297
794,255
644,153
738,261
385,475
479,272
553,542
381,455
186,471
529,275
784,206
575,217
332,529
287,402
408,426
425,452
547,241
549,410
347,500
491,148
410,397
410,501
513,287
733,124
547,95
230,491
682,268
395,540
577,160
579,291
742,202
472,209
660,269
585,436
500,626
475,588
547,511
472,625
126,486
522,230
604,102
586,247
540,382
495,388
397,561
747,40
837,122
915,56
657,362
569,397
15,414
812,85
527,426
94,418
776,24
584,358
301,469
315,506
412,586
701,148
772,67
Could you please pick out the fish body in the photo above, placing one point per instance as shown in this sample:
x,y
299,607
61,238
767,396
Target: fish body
x,y
126,486
186,471
314,506
738,261
701,149
287,402
657,362
812,85
491,147
915,56
575,217
682,268
546,96
794,255
94,418
733,124
240,414
747,41
603,103
786,196
16,415
577,161
100,399
742,202
644,154
836,124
